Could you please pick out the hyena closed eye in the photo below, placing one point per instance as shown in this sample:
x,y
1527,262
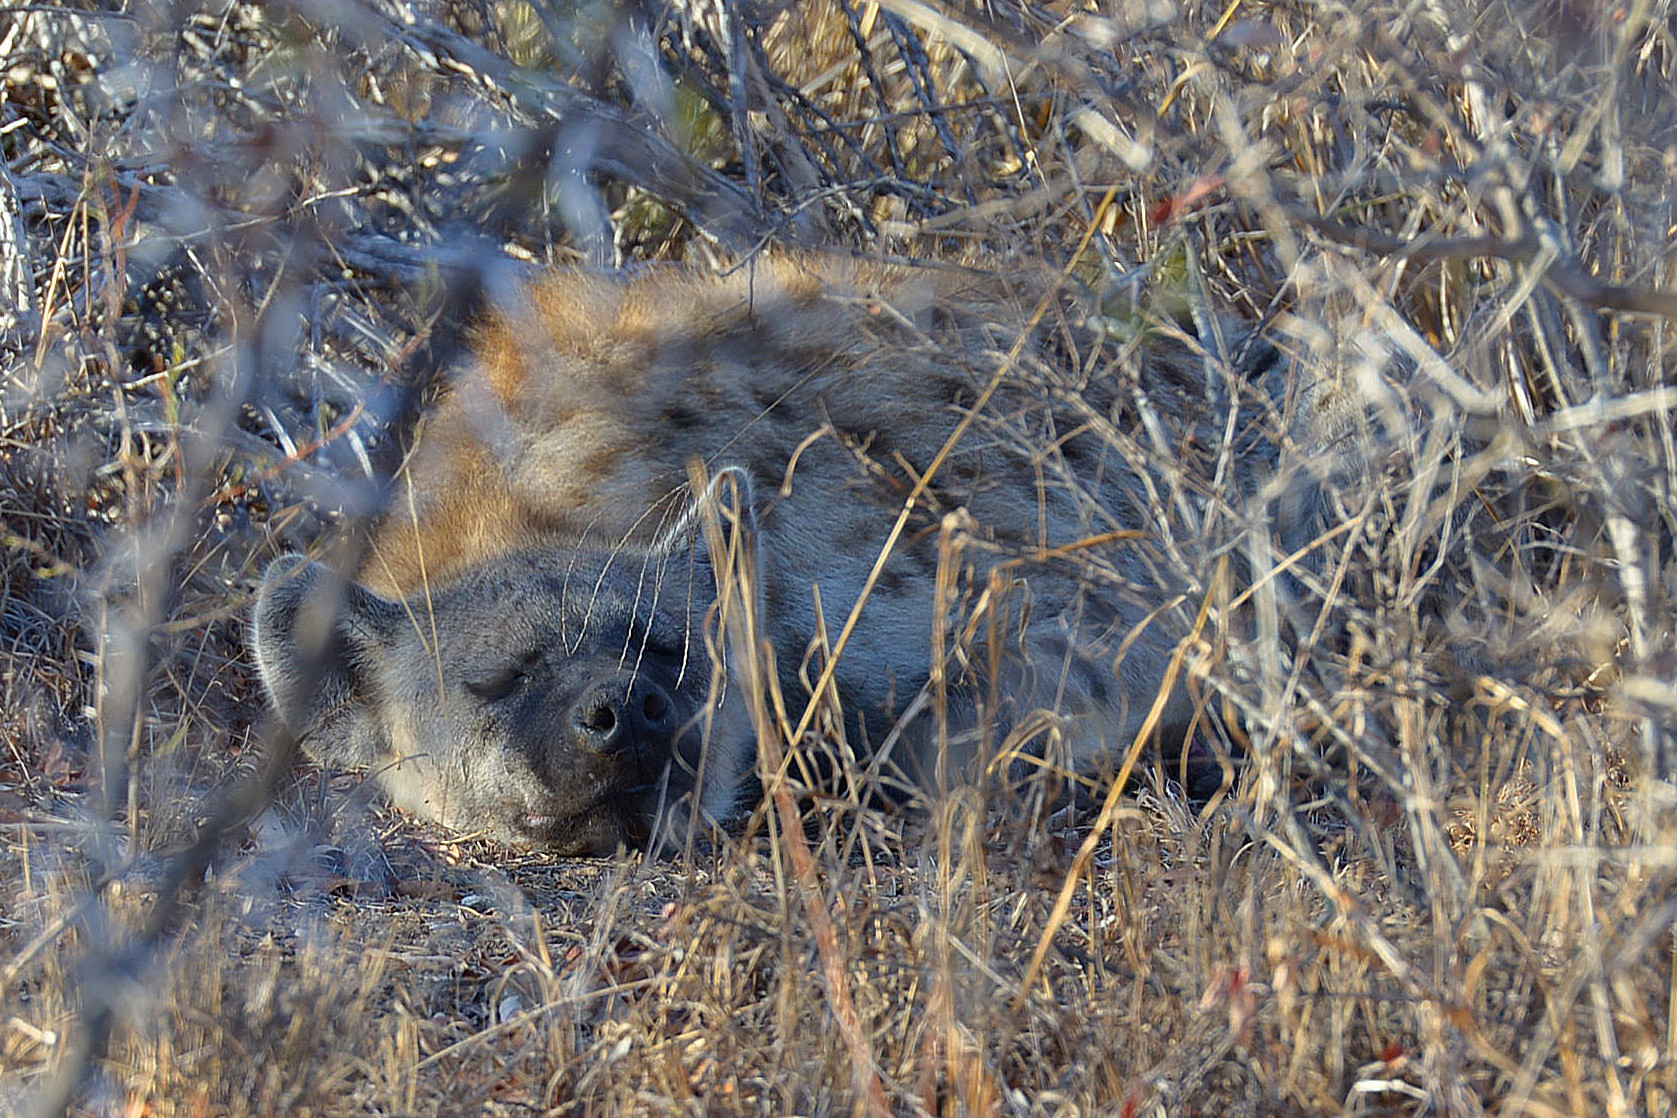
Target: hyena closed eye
x,y
528,652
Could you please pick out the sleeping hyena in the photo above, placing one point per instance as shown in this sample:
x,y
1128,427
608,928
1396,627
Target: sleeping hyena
x,y
1014,505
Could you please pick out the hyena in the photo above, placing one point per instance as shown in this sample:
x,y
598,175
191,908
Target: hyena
x,y
1017,501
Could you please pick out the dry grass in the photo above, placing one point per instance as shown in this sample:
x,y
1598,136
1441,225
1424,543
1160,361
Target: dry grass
x,y
1439,879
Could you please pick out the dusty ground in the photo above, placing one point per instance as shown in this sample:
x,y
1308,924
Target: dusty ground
x,y
1440,879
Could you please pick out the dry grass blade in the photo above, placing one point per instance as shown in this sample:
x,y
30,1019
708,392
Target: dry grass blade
x,y
731,536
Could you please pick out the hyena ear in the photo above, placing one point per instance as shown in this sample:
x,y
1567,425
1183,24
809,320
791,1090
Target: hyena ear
x,y
317,638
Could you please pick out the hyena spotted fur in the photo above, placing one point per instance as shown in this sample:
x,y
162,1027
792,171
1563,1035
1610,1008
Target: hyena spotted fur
x,y
530,650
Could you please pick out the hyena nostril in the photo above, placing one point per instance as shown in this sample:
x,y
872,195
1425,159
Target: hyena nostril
x,y
598,719
602,719
624,713
655,707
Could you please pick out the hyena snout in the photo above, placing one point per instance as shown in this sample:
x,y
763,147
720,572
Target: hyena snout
x,y
627,713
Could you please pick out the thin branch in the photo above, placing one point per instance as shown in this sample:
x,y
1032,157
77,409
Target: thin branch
x,y
1564,275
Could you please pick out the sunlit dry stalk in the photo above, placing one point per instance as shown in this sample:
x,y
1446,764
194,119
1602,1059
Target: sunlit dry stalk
x,y
730,536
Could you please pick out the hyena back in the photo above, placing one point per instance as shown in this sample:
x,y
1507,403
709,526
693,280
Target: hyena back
x,y
529,651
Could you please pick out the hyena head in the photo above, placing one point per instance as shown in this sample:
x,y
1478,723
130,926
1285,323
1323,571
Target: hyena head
x,y
552,697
